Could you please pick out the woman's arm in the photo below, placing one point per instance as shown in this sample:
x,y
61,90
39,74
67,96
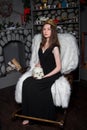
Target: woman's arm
x,y
57,61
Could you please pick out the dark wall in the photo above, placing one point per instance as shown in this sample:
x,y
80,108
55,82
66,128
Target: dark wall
x,y
83,28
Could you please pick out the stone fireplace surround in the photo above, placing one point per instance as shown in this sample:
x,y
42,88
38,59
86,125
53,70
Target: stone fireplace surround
x,y
21,35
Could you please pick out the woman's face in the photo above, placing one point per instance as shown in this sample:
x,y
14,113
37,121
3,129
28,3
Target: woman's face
x,y
46,30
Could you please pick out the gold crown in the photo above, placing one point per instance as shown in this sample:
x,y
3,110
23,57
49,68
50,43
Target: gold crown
x,y
51,22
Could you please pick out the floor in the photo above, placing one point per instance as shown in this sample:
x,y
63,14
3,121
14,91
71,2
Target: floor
x,y
76,118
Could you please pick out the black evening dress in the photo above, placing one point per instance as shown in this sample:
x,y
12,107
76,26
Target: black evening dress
x,y
36,93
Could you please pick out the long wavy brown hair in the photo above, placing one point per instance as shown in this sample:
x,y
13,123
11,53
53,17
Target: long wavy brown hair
x,y
53,38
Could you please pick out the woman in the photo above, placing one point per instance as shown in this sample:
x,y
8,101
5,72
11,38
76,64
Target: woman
x,y
36,93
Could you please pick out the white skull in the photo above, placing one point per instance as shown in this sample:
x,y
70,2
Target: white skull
x,y
38,72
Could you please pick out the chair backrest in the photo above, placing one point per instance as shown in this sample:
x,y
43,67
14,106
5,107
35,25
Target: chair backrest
x,y
69,51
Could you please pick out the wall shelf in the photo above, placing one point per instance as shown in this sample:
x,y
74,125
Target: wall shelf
x,y
49,9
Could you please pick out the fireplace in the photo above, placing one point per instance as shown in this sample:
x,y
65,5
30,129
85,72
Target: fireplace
x,y
14,44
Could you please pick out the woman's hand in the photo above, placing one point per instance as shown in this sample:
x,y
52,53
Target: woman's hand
x,y
38,65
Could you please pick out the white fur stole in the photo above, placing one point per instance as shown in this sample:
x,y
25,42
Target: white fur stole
x,y
69,58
